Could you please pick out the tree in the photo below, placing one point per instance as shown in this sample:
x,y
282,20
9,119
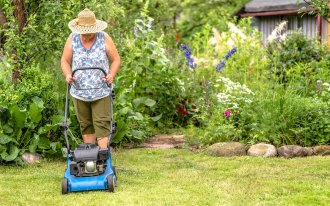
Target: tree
x,y
194,14
320,7
19,13
3,26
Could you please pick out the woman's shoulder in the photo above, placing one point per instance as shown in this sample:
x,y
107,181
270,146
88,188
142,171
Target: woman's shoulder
x,y
75,38
74,35
104,34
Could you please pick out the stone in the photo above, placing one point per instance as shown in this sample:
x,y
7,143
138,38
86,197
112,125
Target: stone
x,y
262,150
322,150
289,151
226,149
31,157
310,151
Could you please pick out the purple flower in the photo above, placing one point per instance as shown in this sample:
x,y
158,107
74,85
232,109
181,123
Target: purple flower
x,y
187,54
230,53
227,113
184,47
222,64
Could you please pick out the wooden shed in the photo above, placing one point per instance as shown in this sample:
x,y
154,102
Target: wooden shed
x,y
267,14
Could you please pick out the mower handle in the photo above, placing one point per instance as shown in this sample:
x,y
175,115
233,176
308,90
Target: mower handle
x,y
66,110
90,68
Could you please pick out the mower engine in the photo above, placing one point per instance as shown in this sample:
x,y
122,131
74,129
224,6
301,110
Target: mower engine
x,y
88,160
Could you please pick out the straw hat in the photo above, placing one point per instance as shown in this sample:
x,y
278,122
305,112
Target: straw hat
x,y
86,23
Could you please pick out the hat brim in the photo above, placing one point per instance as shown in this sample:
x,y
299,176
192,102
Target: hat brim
x,y
99,26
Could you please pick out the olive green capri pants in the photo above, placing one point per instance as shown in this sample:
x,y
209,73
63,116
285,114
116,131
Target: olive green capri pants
x,y
94,117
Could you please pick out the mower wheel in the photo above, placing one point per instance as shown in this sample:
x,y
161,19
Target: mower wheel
x,y
115,175
114,171
111,183
65,186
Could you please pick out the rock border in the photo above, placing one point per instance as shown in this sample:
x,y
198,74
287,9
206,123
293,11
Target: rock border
x,y
229,149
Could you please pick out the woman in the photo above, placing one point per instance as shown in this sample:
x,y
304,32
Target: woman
x,y
88,46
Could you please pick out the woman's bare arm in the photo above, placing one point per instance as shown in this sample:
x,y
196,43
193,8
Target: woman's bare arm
x,y
67,59
112,53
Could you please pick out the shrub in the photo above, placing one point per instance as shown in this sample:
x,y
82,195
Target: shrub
x,y
29,113
21,130
283,117
296,48
148,72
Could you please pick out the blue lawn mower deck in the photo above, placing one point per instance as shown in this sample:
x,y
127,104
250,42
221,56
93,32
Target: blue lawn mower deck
x,y
89,167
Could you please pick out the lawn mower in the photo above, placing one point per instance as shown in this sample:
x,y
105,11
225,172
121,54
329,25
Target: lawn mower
x,y
89,167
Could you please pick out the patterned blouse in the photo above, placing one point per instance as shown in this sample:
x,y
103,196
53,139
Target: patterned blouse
x,y
90,84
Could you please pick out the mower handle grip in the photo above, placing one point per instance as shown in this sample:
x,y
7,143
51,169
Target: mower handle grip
x,y
91,68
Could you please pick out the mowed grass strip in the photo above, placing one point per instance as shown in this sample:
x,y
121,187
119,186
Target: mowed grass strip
x,y
178,177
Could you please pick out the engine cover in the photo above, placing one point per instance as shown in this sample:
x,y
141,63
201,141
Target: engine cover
x,y
86,152
88,160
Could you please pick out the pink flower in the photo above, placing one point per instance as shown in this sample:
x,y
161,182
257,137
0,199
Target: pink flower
x,y
227,113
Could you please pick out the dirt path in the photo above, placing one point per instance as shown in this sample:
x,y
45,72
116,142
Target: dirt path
x,y
163,141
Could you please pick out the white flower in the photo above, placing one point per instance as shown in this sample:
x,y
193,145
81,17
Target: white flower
x,y
276,33
236,30
248,101
233,92
215,40
235,106
230,43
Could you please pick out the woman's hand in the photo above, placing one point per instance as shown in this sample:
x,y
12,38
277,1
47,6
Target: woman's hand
x,y
69,78
109,78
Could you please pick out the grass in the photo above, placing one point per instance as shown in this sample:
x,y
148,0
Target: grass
x,y
178,177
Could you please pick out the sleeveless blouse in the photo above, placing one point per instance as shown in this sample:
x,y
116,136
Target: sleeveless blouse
x,y
89,85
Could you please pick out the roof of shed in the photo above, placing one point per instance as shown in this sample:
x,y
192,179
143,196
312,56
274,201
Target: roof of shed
x,y
271,5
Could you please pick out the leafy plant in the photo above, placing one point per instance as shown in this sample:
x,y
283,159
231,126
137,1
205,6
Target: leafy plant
x,y
20,130
154,78
283,117
296,48
319,7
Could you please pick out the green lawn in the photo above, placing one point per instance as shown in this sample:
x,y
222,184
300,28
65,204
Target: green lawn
x,y
178,177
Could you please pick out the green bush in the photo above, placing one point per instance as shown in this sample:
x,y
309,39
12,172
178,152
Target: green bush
x,y
21,130
222,125
34,82
296,48
147,74
283,117
278,117
30,117
217,129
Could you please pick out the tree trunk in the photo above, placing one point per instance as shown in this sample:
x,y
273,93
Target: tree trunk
x,y
3,26
3,20
19,13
